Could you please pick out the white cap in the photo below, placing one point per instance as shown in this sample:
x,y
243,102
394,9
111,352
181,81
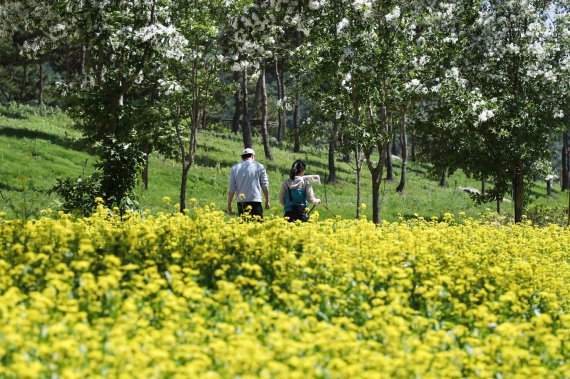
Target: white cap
x,y
248,151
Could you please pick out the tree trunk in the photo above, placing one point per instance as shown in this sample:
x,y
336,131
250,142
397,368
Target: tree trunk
x,y
297,124
264,129
145,170
376,173
389,166
237,103
413,152
332,153
549,187
564,180
498,206
246,125
404,146
41,85
68,64
483,186
187,156
183,185
82,60
281,110
518,190
443,179
376,181
358,159
393,146
297,112
204,119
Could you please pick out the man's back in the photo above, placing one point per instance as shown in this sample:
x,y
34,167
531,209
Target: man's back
x,y
246,180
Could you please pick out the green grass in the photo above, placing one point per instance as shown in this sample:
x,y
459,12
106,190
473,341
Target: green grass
x,y
38,145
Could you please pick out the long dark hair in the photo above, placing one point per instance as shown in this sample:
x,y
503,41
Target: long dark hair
x,y
298,167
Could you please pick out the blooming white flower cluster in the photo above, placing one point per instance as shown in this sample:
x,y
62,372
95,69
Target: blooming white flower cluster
x,y
165,39
453,74
365,6
416,86
343,24
421,62
485,115
316,4
393,15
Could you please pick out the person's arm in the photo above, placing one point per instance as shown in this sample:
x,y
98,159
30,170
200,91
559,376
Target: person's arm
x,y
266,193
232,190
310,194
230,199
264,182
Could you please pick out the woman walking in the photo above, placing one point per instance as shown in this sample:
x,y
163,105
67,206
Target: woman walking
x,y
296,192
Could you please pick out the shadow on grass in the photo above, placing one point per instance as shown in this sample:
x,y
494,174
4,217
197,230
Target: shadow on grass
x,y
210,149
22,188
14,115
35,134
203,161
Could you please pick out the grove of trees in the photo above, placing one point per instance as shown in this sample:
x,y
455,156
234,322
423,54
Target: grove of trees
x,y
480,85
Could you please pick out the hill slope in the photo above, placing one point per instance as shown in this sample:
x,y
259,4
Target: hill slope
x,y
37,146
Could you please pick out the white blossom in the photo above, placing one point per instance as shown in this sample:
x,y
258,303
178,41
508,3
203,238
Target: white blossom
x,y
486,115
342,25
395,14
316,4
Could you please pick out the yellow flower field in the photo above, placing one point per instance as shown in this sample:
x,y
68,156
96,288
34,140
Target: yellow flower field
x,y
197,296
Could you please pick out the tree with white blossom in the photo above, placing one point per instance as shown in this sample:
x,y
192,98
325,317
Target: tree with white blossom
x,y
373,53
496,96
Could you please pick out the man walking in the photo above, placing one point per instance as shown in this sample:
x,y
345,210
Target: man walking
x,y
247,179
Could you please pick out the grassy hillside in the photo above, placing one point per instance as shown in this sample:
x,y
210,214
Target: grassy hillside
x,y
39,145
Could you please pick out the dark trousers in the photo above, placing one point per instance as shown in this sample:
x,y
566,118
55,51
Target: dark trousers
x,y
256,208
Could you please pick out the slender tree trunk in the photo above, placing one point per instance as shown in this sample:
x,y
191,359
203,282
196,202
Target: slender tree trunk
x,y
297,124
145,169
187,156
499,206
297,112
184,185
246,125
376,173
404,147
413,152
358,160
237,103
264,128
549,187
332,153
346,154
393,145
443,179
281,110
204,119
483,186
564,180
389,166
82,60
68,63
518,190
41,85
376,182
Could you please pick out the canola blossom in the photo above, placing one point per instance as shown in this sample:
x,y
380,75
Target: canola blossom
x,y
196,295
